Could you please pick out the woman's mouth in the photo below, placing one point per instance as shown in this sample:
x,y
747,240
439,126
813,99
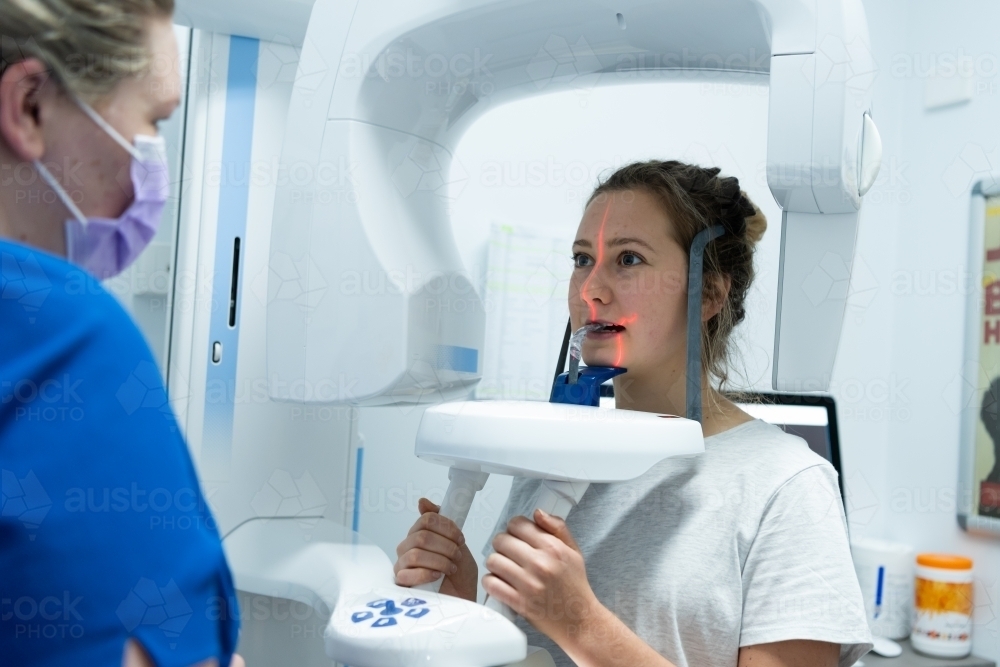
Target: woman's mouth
x,y
608,330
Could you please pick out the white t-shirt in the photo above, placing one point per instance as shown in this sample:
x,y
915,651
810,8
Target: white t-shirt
x,y
745,544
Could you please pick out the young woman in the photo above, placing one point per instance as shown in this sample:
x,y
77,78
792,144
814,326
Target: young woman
x,y
108,552
737,557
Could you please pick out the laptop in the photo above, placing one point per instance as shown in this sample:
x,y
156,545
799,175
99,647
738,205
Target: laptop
x,y
812,417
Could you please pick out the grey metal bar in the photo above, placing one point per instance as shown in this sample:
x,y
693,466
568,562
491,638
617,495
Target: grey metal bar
x,y
696,265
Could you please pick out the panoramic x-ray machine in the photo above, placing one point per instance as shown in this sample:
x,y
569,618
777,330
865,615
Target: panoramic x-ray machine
x,y
422,341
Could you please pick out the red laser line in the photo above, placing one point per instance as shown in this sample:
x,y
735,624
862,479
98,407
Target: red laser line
x,y
600,260
621,346
583,288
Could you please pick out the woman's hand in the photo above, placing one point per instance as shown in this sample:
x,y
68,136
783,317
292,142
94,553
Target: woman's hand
x,y
537,569
435,545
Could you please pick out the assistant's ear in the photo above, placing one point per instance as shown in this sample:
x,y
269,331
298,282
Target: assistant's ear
x,y
20,115
714,296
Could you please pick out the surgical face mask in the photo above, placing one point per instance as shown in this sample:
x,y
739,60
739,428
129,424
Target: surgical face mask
x,y
107,246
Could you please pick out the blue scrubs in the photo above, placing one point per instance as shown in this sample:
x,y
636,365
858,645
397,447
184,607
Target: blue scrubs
x,y
104,532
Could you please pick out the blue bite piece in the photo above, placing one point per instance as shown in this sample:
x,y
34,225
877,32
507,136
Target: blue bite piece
x,y
587,390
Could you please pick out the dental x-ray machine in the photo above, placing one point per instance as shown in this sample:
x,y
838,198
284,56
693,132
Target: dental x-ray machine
x,y
391,86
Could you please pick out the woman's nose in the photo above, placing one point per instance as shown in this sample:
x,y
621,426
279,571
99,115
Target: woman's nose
x,y
597,287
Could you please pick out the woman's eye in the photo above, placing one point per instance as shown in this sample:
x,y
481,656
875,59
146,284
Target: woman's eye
x,y
580,260
629,259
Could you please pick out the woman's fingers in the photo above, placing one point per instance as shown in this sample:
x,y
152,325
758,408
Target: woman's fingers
x,y
425,540
434,522
418,566
513,547
502,591
428,559
526,530
415,576
555,526
424,506
423,556
434,546
513,574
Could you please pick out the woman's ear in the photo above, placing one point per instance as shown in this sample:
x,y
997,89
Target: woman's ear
x,y
714,296
20,115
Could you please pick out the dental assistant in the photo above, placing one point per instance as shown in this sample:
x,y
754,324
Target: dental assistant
x,y
109,554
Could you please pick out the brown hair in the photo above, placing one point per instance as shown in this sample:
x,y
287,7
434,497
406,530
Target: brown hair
x,y
694,199
88,45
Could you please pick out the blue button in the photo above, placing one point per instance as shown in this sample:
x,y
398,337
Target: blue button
x,y
417,613
375,604
359,616
412,602
390,608
384,622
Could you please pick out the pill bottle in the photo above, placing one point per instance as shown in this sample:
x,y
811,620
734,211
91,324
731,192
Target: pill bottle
x,y
886,571
942,624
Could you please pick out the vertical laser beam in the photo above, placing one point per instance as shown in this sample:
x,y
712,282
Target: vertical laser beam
x,y
621,346
583,288
597,266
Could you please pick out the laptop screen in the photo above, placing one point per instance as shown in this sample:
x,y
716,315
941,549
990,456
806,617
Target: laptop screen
x,y
809,422
811,417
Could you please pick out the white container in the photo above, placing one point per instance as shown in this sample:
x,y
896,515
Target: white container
x,y
943,606
885,573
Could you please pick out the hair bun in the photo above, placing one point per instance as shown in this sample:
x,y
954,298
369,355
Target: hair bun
x,y
739,215
755,223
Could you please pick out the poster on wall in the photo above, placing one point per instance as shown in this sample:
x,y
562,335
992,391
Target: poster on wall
x,y
979,487
986,449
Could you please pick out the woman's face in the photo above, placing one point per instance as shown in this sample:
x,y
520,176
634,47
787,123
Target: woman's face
x,y
630,271
89,164
39,121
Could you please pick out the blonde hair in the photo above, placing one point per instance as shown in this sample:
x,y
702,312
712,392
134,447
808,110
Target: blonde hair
x,y
695,198
88,45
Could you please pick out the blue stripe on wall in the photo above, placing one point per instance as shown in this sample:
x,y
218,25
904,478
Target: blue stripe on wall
x,y
455,358
356,519
234,190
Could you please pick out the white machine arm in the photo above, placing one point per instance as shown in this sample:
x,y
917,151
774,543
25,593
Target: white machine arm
x,y
557,498
563,445
462,489
823,153
368,303
372,622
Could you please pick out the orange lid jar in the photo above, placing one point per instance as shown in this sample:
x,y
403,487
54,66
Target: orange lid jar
x,y
943,605
945,561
